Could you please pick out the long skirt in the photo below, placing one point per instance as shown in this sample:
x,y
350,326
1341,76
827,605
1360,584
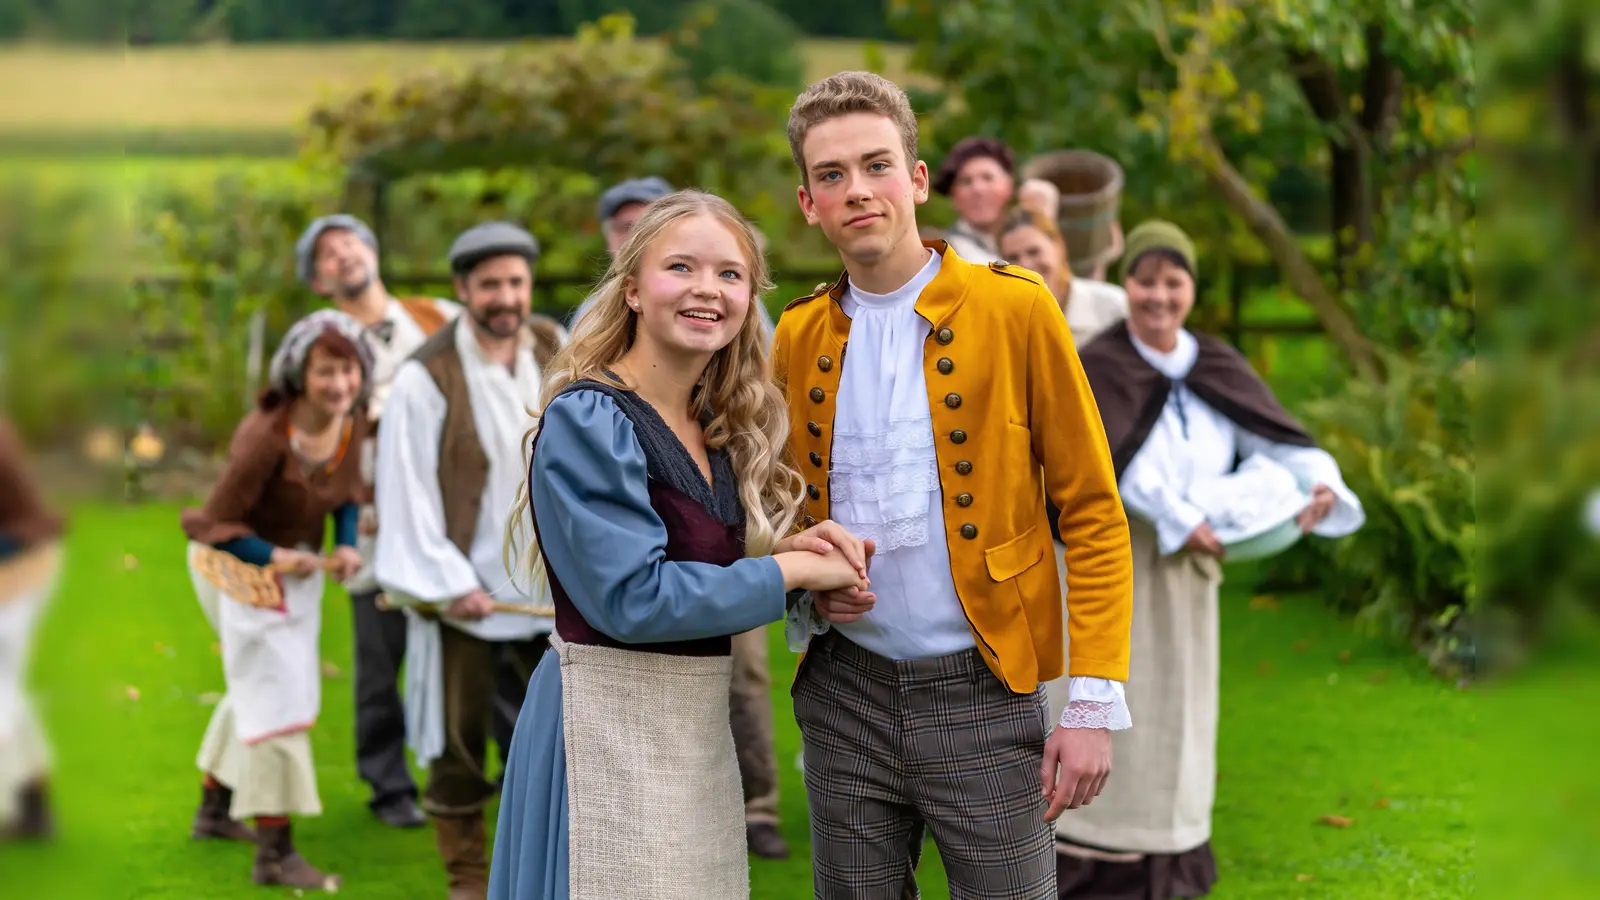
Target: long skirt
x,y
1147,835
26,584
258,741
622,782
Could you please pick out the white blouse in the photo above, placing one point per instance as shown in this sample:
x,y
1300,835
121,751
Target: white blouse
x,y
1192,441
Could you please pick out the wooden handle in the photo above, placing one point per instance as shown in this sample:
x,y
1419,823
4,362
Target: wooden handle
x,y
521,609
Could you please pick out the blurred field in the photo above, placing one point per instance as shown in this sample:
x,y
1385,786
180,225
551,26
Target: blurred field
x,y
1316,722
248,88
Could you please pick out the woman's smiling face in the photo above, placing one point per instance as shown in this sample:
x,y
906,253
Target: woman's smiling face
x,y
1160,296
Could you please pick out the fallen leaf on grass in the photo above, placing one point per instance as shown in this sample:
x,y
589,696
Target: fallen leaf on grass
x,y
1266,668
1301,646
1344,656
329,670
132,693
130,562
210,699
1336,821
1303,878
1381,803
1264,602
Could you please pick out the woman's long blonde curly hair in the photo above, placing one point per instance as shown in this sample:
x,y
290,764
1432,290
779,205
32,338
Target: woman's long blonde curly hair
x,y
750,422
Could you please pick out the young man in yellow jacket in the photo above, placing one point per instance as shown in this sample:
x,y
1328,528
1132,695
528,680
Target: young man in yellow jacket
x,y
934,403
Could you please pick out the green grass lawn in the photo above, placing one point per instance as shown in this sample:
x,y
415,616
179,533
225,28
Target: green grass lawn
x,y
1315,722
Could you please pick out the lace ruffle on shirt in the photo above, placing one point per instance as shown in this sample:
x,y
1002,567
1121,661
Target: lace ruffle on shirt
x,y
883,483
1089,714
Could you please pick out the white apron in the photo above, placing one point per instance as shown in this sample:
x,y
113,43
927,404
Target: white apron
x,y
26,585
654,803
1163,774
269,657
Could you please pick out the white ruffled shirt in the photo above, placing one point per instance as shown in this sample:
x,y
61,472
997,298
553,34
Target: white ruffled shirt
x,y
884,485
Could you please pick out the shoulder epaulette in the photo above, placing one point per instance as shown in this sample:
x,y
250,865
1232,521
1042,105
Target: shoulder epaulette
x,y
1016,271
819,291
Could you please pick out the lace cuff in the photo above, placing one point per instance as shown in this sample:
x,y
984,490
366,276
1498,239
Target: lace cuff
x,y
1113,716
801,623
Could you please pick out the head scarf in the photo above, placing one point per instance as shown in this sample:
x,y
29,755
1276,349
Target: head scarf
x,y
287,374
1156,235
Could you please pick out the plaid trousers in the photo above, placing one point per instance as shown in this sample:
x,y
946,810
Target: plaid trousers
x,y
893,745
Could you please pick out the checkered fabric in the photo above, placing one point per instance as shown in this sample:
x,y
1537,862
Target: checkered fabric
x,y
891,745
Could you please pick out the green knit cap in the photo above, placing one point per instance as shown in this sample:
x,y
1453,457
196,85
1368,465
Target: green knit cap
x,y
1156,235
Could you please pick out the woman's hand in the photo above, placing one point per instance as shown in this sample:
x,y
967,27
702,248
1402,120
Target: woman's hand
x,y
804,570
1322,502
346,563
1204,540
295,562
823,538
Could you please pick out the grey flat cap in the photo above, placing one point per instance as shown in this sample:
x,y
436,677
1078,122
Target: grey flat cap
x,y
480,242
635,190
307,245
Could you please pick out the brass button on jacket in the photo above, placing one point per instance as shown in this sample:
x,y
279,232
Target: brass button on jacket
x,y
952,400
945,336
813,492
958,437
814,428
817,396
816,459
969,531
964,468
946,366
824,363
963,499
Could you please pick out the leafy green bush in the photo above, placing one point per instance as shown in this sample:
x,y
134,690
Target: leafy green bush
x,y
743,38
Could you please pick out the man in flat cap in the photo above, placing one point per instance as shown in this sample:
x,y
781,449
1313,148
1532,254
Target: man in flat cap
x,y
337,257
451,451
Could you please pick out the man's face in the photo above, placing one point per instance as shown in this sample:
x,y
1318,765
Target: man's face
x,y
498,294
342,265
620,225
862,190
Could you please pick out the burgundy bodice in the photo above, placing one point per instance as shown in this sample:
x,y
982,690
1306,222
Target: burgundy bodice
x,y
695,533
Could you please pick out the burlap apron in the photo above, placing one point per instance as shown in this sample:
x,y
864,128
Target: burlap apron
x,y
654,803
1163,777
269,657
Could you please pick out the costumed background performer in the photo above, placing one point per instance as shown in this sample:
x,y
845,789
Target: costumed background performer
x,y
293,462
1179,409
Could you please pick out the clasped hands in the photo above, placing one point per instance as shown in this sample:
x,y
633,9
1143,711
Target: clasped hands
x,y
345,562
1204,540
840,590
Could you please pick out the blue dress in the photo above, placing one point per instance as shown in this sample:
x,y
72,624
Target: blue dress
x,y
642,554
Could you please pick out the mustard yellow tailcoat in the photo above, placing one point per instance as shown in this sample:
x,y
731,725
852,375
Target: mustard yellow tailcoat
x,y
1013,417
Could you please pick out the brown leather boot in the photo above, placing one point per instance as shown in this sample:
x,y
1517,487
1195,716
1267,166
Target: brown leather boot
x,y
765,841
463,846
211,820
277,862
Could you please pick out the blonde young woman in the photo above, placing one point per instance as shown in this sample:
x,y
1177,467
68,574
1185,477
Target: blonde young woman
x,y
657,497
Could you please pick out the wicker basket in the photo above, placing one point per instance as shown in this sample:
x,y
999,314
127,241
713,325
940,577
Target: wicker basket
x,y
1091,194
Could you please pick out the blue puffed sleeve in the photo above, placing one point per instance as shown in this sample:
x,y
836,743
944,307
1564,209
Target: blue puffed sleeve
x,y
607,546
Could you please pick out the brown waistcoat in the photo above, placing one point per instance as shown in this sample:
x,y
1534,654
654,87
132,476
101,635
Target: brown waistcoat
x,y
463,466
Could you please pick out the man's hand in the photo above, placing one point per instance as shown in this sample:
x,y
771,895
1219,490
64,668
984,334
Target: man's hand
x,y
474,605
841,607
1083,757
346,563
300,563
